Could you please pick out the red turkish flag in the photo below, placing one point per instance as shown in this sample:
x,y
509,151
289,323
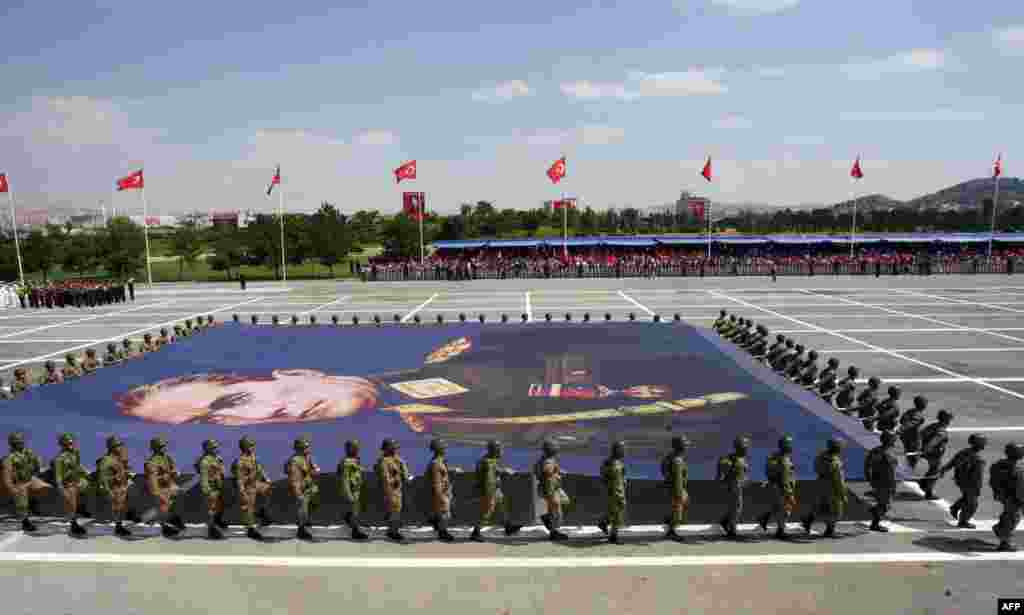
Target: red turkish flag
x,y
414,205
996,172
855,172
565,204
406,171
131,182
697,209
3,183
557,170
706,171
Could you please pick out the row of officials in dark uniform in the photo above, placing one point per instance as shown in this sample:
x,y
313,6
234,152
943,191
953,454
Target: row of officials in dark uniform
x,y
884,416
75,293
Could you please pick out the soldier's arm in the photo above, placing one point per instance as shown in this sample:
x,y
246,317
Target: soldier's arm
x,y
346,486
952,463
435,477
204,475
151,478
295,478
7,476
59,471
103,474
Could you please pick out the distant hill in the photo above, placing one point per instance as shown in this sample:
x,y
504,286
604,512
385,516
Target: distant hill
x,y
870,202
972,192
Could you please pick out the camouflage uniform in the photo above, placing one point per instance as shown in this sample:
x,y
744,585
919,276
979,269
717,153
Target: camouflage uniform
x,y
162,487
210,468
71,480
90,364
969,474
831,506
549,487
492,500
441,491
880,471
113,479
887,413
720,321
164,339
22,381
71,370
910,430
113,357
148,345
613,473
677,476
934,440
127,351
1007,482
847,388
866,403
52,376
301,473
350,487
392,473
18,477
733,471
252,483
781,473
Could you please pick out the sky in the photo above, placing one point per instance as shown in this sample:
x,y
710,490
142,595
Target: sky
x,y
781,94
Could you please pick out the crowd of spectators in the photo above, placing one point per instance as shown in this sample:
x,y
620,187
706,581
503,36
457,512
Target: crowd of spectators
x,y
688,261
75,293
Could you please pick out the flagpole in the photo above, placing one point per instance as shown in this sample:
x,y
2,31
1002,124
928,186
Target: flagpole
x,y
422,213
565,228
284,264
853,227
992,231
14,226
707,216
145,234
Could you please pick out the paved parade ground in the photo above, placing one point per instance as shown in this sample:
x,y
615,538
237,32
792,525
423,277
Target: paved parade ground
x,y
957,340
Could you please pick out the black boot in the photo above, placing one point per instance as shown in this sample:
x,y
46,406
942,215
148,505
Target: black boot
x,y
781,534
220,522
724,524
763,521
132,516
264,518
76,530
304,533
28,526
954,510
1006,546
546,520
121,531
83,513
557,536
876,522
830,531
512,529
169,531
807,522
177,522
603,526
254,534
395,535
672,535
613,538
476,536
358,533
214,532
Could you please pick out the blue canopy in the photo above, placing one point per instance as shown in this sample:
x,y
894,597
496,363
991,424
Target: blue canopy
x,y
514,243
574,241
459,245
640,242
681,241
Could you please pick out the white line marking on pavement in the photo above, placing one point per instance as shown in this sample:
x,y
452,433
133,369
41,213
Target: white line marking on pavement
x,y
914,488
528,307
931,330
956,350
85,319
636,303
929,319
941,370
43,341
168,559
325,305
982,429
10,540
962,301
128,334
983,525
419,307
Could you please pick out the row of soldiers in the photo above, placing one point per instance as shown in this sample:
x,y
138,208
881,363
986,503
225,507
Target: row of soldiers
x,y
884,416
76,367
75,293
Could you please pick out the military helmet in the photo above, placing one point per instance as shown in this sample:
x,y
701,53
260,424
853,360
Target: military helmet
x,y
388,445
780,338
211,446
833,445
813,355
90,352
494,447
301,444
209,318
113,442
1014,451
437,445
16,439
549,447
188,323
944,416
887,438
352,448
50,365
679,443
619,449
70,358
977,439
799,348
66,439
126,342
147,337
762,329
874,382
163,331
789,343
246,443
852,371
894,392
741,443
732,317
157,444
833,363
786,443
111,347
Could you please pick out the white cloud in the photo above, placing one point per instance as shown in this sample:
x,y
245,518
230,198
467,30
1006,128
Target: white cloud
x,y
376,137
1010,40
503,91
914,61
756,7
935,115
693,82
732,121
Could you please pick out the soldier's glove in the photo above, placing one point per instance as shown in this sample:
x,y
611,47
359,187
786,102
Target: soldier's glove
x,y
457,469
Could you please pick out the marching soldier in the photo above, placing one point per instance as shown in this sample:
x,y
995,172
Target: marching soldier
x,y
52,376
90,364
832,505
113,479
781,474
796,366
164,339
880,470
866,403
887,413
441,490
128,352
827,384
1007,482
831,367
677,474
733,470
969,474
210,468
252,483
21,382
148,345
549,486
113,357
934,440
179,332
393,474
188,329
72,482
910,430
847,388
71,370
717,326
350,484
18,477
808,374
779,351
492,499
727,326
162,487
301,472
613,473
5,394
